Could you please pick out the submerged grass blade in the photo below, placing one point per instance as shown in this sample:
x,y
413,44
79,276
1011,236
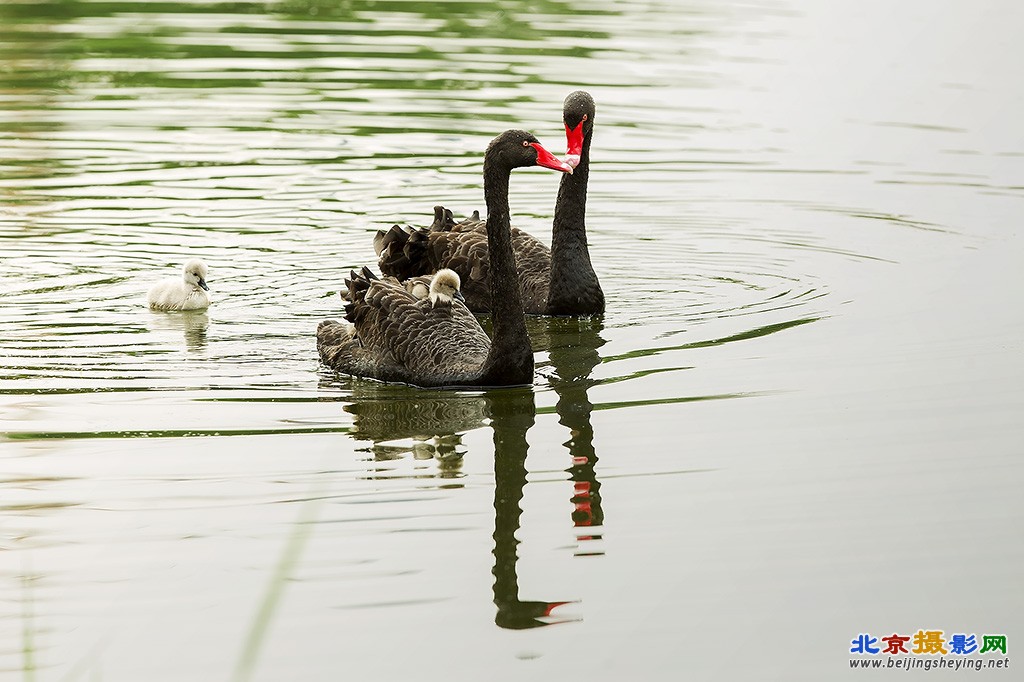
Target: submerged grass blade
x,y
28,662
286,564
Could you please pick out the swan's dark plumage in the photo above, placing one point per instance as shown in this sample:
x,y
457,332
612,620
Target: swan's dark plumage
x,y
556,281
574,288
462,246
395,335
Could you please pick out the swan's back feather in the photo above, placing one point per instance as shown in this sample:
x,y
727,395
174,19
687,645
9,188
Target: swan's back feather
x,y
395,336
409,252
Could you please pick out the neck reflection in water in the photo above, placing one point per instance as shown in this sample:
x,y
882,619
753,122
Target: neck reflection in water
x,y
436,421
572,345
512,415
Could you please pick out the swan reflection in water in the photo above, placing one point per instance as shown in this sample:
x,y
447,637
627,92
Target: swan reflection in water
x,y
436,420
572,345
512,414
192,323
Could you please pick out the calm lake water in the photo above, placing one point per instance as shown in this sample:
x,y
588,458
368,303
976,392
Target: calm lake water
x,y
799,420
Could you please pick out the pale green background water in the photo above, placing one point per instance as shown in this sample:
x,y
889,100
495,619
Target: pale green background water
x,y
800,419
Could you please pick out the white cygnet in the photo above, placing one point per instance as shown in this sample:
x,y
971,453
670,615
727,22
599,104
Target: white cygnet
x,y
186,293
444,287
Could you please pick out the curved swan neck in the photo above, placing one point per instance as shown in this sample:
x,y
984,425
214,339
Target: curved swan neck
x,y
571,205
510,359
573,287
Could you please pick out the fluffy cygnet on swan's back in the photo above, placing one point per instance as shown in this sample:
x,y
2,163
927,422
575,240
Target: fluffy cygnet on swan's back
x,y
442,286
186,293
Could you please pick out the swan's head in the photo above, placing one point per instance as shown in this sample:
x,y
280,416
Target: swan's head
x,y
194,274
444,287
518,148
578,116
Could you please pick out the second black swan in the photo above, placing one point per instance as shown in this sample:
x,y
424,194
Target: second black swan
x,y
556,281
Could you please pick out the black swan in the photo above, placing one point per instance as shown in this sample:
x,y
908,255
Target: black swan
x,y
555,281
435,341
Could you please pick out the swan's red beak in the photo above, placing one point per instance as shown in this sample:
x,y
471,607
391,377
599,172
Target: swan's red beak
x,y
549,160
573,144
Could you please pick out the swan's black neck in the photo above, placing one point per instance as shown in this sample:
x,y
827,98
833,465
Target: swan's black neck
x,y
510,359
573,288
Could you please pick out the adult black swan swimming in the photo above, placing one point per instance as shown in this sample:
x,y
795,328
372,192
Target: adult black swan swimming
x,y
556,281
435,340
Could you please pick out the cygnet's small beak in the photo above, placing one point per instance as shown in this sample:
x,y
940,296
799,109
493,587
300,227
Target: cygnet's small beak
x,y
202,283
458,296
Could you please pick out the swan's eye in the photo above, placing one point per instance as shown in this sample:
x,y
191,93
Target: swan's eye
x,y
584,117
526,143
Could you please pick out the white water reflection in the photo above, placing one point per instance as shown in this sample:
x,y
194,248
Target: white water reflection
x,y
191,327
